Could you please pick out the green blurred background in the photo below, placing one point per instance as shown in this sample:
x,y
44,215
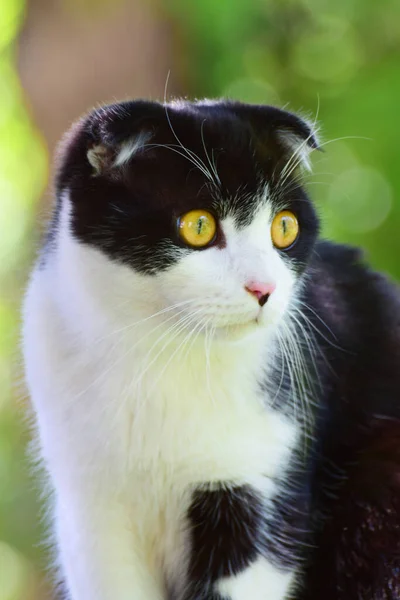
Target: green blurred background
x,y
337,60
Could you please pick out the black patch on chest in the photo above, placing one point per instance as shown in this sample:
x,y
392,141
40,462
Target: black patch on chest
x,y
225,527
231,527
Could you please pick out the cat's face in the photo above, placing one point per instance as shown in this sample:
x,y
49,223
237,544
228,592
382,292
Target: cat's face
x,y
199,201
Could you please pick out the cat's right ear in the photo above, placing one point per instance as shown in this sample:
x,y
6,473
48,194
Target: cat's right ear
x,y
292,138
102,142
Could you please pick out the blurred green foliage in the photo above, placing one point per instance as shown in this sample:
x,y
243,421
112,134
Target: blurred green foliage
x,y
336,62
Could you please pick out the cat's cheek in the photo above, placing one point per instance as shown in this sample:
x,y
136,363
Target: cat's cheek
x,y
194,279
275,310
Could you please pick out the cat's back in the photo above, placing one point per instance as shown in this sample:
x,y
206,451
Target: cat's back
x,y
356,315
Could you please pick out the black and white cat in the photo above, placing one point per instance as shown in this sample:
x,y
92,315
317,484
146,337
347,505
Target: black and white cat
x,y
216,391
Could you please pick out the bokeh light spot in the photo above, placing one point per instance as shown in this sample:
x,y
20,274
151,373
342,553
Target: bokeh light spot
x,y
360,199
329,54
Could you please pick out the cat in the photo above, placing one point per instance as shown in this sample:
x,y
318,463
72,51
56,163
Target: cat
x,y
216,390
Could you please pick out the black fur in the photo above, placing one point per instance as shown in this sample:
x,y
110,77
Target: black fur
x,y
225,526
339,519
355,479
131,212
230,526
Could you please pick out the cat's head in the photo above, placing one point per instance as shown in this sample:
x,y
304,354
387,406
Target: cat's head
x,y
195,206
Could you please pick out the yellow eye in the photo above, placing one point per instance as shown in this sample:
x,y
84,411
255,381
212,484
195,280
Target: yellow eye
x,y
197,228
284,229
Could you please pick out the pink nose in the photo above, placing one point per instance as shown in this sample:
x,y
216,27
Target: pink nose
x,y
261,291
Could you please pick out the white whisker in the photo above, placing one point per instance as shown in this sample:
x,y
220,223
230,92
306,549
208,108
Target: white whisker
x,y
212,165
196,160
176,329
318,317
131,326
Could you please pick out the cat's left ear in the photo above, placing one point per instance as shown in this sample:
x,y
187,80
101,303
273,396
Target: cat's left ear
x,y
298,137
105,139
293,137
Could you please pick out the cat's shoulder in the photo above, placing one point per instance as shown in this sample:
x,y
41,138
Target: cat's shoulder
x,y
345,269
359,304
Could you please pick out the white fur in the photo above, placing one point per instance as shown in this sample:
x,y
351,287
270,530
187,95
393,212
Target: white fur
x,y
131,147
260,581
99,156
130,417
300,148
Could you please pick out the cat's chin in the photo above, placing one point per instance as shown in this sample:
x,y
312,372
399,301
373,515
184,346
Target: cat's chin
x,y
239,331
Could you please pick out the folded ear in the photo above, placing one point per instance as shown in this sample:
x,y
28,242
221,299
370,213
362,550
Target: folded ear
x,y
105,139
292,136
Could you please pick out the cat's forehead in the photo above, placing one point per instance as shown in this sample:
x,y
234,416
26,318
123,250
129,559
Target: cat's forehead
x,y
201,156
229,183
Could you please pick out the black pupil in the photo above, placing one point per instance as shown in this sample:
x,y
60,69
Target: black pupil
x,y
284,226
199,225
